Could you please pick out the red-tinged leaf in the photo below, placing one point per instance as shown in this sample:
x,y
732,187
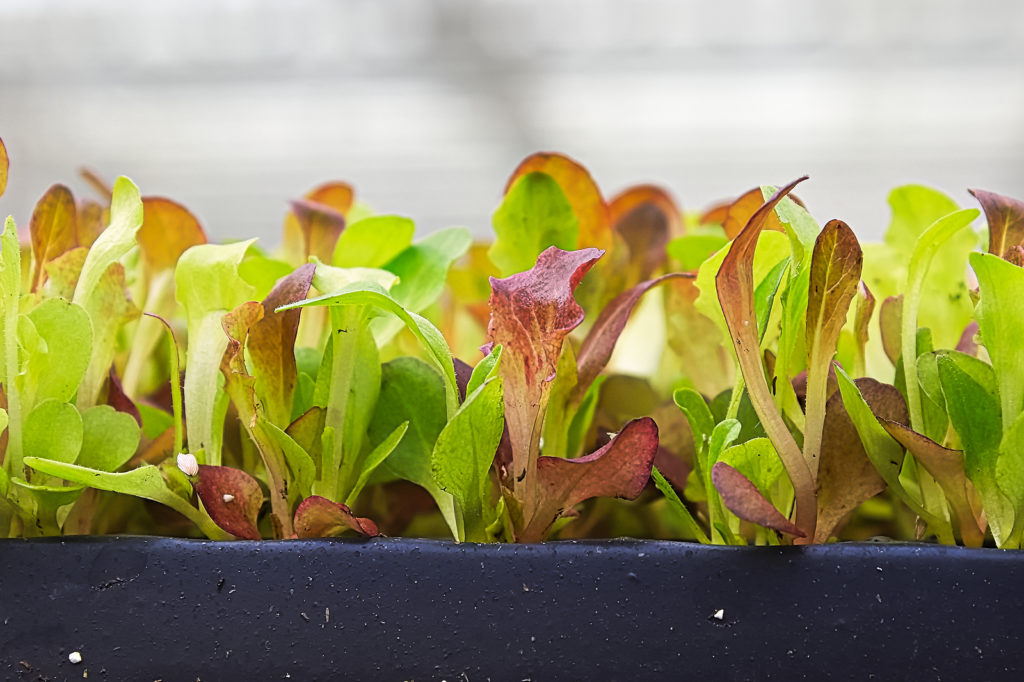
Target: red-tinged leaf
x,y
619,469
62,272
53,230
337,196
1005,217
716,214
531,314
968,343
947,468
735,286
321,226
272,344
597,347
646,217
92,220
890,322
237,325
118,399
232,498
740,211
581,191
318,517
863,310
847,477
168,230
672,467
5,164
836,264
744,500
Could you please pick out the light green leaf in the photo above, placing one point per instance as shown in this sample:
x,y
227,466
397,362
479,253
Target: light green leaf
x,y
925,250
301,465
145,482
677,506
110,438
693,249
534,215
1000,315
115,241
423,267
464,453
368,294
969,387
375,459
208,285
758,461
413,391
372,242
59,355
53,430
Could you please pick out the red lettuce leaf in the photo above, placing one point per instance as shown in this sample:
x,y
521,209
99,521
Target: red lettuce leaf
x,y
318,517
619,469
168,230
531,314
744,500
272,344
232,498
52,229
1005,217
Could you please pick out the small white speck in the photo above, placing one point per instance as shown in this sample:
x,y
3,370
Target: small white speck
x,y
188,464
719,614
878,568
229,498
327,614
878,598
75,657
641,555
746,323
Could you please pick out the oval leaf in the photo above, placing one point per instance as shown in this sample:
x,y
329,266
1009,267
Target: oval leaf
x,y
745,501
318,517
232,498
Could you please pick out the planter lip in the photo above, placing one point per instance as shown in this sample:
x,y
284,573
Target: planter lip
x,y
406,608
642,547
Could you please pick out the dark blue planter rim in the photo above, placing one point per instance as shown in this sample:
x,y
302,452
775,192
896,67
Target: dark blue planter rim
x,y
163,608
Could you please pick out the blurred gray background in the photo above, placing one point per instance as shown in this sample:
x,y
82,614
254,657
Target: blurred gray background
x,y
232,107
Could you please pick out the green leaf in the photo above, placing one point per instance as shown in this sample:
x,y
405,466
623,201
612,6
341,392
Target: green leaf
x,y
10,295
464,453
928,244
109,308
534,215
301,465
53,430
110,438
758,461
372,242
208,285
969,387
145,482
58,357
413,391
369,294
734,284
677,506
423,267
1000,315
375,459
693,249
115,241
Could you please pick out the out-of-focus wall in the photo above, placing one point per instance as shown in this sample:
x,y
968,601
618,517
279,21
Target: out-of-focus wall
x,y
233,107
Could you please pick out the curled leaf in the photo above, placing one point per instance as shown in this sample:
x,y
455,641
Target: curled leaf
x,y
947,467
646,217
272,344
321,226
619,469
1005,216
745,501
531,314
735,287
318,517
232,498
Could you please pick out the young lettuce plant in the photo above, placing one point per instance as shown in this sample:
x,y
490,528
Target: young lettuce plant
x,y
532,312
